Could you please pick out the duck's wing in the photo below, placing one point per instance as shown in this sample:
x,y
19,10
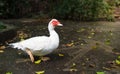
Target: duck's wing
x,y
35,43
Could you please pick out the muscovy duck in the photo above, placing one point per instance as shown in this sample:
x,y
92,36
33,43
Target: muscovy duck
x,y
40,45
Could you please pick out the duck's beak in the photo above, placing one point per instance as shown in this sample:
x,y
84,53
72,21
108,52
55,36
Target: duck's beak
x,y
60,24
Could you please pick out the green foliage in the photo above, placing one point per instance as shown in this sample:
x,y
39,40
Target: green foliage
x,y
13,8
64,9
117,3
114,2
83,9
2,26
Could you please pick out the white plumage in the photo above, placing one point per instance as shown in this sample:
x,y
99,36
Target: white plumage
x,y
41,45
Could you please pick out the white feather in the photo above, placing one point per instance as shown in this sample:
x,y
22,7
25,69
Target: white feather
x,y
40,45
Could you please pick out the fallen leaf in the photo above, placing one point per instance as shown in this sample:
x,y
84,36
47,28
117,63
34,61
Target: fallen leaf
x,y
81,44
73,69
1,51
22,60
19,53
70,44
92,33
118,57
106,68
2,47
87,59
79,38
61,55
83,64
40,72
8,72
92,65
37,62
22,35
81,30
94,47
89,37
73,64
107,41
100,72
117,53
111,34
117,62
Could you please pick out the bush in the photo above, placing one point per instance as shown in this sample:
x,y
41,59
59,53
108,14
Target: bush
x,y
13,8
23,8
64,9
83,9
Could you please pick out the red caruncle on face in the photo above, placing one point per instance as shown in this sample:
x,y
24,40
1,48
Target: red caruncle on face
x,y
55,23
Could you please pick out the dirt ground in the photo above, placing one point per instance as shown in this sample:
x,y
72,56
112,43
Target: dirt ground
x,y
85,48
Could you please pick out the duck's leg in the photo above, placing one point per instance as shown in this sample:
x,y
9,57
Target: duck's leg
x,y
30,54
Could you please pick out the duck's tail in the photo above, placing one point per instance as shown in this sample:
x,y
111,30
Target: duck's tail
x,y
16,45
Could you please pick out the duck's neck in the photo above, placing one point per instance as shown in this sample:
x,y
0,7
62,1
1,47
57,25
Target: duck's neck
x,y
53,34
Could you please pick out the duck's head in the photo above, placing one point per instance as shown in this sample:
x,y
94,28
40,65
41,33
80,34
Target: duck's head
x,y
55,23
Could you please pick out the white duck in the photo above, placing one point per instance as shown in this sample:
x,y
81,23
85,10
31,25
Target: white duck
x,y
40,45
